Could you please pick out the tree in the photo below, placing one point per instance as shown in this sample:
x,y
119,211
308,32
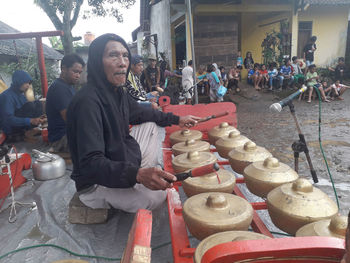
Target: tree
x,y
64,14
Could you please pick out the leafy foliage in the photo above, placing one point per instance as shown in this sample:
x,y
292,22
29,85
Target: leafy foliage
x,y
107,7
30,65
56,43
65,13
275,46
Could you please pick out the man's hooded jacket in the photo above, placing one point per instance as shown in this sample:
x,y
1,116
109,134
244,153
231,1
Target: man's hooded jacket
x,y
12,100
98,121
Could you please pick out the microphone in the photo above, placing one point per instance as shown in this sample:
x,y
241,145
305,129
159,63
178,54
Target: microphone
x,y
277,107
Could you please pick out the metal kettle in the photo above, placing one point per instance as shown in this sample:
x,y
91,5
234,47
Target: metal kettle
x,y
48,166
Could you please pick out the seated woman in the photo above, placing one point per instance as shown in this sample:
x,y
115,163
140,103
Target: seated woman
x,y
17,114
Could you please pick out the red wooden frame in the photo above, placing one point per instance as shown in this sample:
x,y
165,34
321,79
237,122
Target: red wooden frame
x,y
293,249
40,51
24,162
138,248
311,248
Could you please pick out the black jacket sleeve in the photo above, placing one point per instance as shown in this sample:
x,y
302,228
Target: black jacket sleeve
x,y
140,114
92,161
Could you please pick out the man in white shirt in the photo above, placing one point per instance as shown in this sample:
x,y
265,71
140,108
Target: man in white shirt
x,y
187,81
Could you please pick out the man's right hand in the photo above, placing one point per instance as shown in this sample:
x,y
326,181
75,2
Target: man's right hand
x,y
36,121
154,178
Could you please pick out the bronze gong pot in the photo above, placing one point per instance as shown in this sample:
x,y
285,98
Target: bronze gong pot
x,y
226,143
187,161
263,176
242,156
184,135
219,131
190,146
209,213
335,227
222,181
224,237
296,204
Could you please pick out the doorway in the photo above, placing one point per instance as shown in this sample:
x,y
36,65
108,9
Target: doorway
x,y
304,35
180,44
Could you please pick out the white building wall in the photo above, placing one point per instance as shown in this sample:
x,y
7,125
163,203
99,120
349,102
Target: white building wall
x,y
160,25
139,42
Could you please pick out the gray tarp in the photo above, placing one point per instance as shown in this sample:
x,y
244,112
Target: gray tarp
x,y
48,224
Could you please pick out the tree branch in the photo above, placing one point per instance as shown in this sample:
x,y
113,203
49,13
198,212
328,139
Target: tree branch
x,y
76,13
51,13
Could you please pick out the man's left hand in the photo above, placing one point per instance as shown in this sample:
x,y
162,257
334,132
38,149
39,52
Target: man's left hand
x,y
188,121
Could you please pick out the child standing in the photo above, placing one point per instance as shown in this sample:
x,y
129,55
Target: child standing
x,y
312,79
309,51
239,61
248,61
202,85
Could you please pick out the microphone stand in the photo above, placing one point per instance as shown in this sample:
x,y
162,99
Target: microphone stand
x,y
301,146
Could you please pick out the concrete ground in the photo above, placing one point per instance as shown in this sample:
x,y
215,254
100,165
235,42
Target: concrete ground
x,y
277,132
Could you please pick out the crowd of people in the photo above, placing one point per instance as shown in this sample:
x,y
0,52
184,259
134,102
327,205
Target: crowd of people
x,y
113,165
291,74
145,85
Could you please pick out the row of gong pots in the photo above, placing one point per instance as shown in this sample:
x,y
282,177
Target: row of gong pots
x,y
211,208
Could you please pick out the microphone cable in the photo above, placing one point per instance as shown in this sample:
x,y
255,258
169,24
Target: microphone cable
x,y
320,142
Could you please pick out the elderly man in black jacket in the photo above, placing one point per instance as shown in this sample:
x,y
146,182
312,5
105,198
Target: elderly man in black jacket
x,y
106,159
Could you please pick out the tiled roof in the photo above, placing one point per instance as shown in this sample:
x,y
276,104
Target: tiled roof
x,y
25,46
327,2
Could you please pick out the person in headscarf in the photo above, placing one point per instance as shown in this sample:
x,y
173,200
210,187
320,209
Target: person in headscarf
x,y
134,86
108,164
217,71
16,113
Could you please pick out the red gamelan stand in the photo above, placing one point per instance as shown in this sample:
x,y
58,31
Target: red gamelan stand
x,y
291,249
23,162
